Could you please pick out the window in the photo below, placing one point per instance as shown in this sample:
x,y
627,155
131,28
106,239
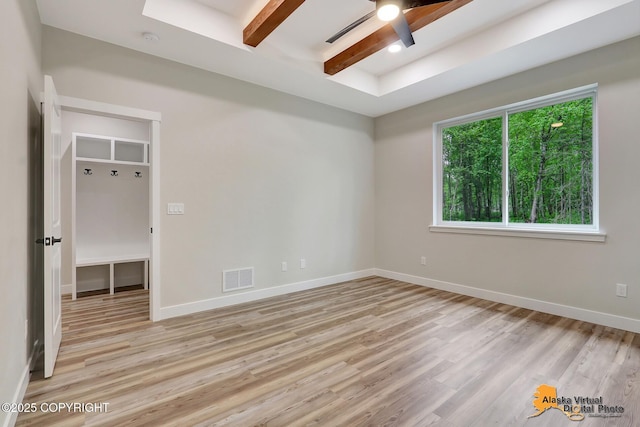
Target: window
x,y
527,166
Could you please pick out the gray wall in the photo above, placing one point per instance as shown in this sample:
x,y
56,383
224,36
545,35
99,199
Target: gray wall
x,y
265,177
577,274
20,86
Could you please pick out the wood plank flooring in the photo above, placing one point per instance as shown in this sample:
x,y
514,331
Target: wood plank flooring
x,y
371,352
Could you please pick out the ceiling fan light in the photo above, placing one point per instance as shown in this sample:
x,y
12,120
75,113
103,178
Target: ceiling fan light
x,y
388,11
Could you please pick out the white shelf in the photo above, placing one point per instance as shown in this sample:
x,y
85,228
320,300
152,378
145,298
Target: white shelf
x,y
107,149
126,151
112,162
93,147
88,262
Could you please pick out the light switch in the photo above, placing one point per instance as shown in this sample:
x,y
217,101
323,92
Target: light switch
x,y
175,209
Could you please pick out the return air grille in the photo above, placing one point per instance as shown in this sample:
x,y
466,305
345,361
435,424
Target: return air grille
x,y
233,280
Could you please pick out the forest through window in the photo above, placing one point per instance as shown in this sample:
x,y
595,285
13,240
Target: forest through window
x,y
528,164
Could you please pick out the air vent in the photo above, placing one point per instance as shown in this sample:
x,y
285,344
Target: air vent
x,y
233,280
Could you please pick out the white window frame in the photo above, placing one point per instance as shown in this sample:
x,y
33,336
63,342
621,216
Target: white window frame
x,y
587,232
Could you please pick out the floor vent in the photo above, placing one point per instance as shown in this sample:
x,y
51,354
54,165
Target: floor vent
x,y
233,280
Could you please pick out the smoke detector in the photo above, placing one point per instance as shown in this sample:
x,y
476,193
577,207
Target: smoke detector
x,y
151,37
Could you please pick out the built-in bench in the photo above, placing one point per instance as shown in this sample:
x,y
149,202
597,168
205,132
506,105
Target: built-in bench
x,y
112,261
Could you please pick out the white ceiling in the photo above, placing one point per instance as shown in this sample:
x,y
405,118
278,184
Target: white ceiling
x,y
482,41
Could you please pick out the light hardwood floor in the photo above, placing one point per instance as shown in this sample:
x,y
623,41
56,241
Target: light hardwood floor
x,y
372,352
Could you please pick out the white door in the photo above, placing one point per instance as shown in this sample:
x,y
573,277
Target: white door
x,y
52,229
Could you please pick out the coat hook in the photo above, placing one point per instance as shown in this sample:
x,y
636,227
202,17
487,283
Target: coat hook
x,y
114,173
138,175
88,172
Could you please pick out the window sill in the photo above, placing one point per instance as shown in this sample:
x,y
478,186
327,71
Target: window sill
x,y
584,236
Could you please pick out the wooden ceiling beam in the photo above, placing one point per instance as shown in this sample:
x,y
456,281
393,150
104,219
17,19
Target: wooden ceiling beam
x,y
417,18
269,18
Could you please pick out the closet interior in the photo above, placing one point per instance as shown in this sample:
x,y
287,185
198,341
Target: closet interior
x,y
110,240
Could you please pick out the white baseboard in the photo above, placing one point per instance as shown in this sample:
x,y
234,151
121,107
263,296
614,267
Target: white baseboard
x,y
100,284
11,417
92,285
254,295
605,319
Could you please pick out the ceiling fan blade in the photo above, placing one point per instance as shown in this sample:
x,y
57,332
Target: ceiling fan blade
x,y
401,26
350,27
418,3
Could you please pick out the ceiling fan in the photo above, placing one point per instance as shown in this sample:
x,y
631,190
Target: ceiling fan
x,y
393,12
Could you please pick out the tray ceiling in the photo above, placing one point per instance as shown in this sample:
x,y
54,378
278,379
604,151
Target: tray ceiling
x,y
479,42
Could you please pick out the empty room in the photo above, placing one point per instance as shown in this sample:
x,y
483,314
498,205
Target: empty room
x,y
330,213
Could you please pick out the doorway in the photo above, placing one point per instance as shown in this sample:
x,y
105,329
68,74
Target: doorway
x,y
52,153
35,304
120,125
107,214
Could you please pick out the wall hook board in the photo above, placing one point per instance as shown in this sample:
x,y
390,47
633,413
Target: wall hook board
x,y
138,175
114,173
88,172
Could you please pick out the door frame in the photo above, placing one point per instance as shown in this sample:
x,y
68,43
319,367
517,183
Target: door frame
x,y
154,119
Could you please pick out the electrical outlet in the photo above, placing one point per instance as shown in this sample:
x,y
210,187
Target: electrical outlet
x,y
303,263
423,260
621,290
284,265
